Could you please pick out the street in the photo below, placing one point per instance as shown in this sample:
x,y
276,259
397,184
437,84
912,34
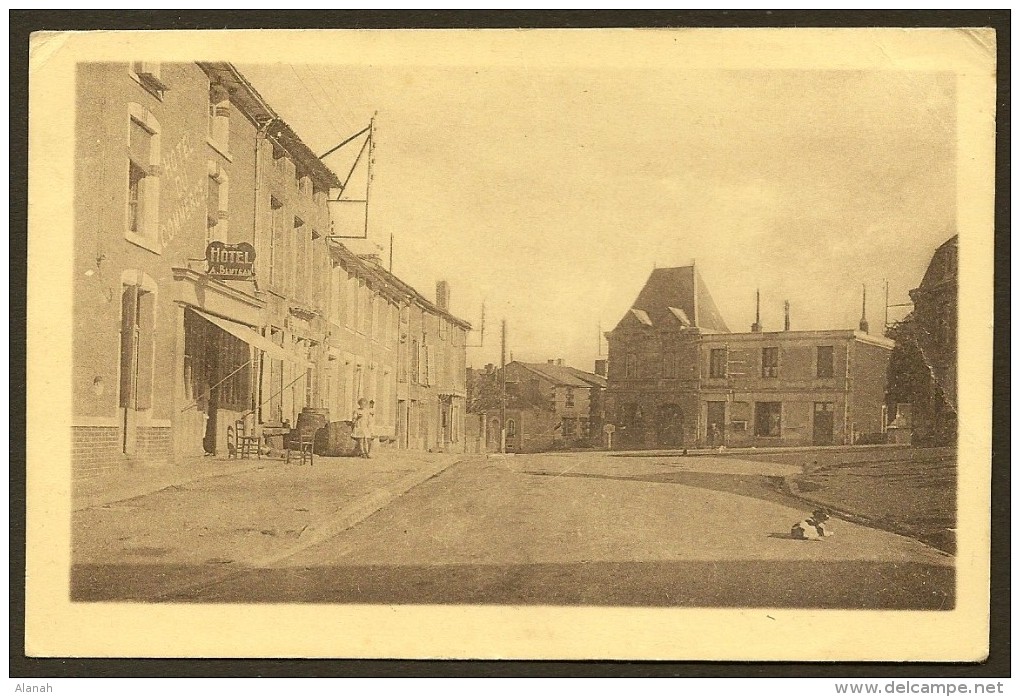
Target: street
x,y
598,529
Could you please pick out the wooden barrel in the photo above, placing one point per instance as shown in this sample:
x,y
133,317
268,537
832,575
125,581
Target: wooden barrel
x,y
314,420
336,439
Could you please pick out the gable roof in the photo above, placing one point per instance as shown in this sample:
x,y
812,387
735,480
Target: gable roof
x,y
564,375
671,295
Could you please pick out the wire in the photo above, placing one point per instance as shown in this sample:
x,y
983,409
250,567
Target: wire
x,y
322,109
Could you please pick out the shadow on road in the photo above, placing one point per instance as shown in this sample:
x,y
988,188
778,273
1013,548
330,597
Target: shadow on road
x,y
800,584
759,486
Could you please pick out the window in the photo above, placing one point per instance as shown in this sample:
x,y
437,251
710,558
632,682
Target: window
x,y
632,416
373,317
569,428
275,236
770,362
219,116
216,215
271,410
569,397
511,428
148,75
235,372
631,366
768,419
429,373
717,363
136,203
353,293
320,277
339,308
824,368
142,211
297,250
137,339
415,360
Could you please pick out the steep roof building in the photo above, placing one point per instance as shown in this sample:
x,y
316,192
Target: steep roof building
x,y
678,377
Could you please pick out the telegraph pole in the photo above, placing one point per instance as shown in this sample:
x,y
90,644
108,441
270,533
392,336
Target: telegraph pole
x,y
885,323
502,390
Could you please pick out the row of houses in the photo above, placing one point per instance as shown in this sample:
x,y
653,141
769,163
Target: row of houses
x,y
209,289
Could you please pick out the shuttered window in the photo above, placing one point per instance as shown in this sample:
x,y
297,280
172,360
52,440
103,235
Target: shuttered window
x,y
136,347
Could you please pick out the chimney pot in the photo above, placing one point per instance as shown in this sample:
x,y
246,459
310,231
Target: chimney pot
x,y
559,361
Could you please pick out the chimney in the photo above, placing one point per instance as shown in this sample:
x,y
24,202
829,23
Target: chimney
x,y
559,361
786,315
756,327
443,295
863,326
602,367
551,362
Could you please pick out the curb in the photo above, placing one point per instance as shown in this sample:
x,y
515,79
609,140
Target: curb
x,y
709,452
342,519
356,512
791,487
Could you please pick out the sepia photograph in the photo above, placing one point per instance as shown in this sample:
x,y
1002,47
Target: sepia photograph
x,y
630,343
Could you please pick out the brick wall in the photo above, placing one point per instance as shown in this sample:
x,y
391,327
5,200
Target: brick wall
x,y
98,448
95,448
153,444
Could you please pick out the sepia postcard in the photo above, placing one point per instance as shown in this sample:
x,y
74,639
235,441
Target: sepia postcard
x,y
638,344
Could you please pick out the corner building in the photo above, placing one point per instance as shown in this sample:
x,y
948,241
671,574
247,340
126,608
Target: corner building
x,y
679,378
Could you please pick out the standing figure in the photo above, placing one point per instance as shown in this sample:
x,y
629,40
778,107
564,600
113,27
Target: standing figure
x,y
370,427
362,427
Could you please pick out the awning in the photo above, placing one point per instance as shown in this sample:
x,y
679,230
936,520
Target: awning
x,y
253,338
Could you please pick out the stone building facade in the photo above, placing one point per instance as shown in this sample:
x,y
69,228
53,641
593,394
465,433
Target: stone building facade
x,y
679,378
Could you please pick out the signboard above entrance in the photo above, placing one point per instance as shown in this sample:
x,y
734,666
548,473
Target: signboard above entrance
x,y
234,262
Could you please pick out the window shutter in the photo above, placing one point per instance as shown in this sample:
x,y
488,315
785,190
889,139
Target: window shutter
x,y
128,310
430,361
415,361
139,145
146,342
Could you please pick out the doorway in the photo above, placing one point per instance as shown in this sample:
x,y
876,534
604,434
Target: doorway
x,y
823,424
716,424
669,425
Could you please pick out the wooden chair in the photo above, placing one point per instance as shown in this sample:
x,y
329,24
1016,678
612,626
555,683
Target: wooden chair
x,y
301,439
245,443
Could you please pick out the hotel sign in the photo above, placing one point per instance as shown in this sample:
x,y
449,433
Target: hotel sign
x,y
234,262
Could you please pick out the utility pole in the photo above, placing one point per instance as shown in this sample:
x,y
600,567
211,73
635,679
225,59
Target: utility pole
x,y
391,252
502,391
885,323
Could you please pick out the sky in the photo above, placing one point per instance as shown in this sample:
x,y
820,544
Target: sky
x,y
551,194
